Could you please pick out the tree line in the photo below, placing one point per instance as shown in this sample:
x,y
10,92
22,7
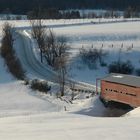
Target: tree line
x,y
76,14
53,13
24,6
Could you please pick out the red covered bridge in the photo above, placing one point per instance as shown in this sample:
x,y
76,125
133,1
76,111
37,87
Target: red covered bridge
x,y
121,88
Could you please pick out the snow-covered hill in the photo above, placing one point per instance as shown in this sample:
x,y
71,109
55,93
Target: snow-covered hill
x,y
27,114
133,113
56,126
18,99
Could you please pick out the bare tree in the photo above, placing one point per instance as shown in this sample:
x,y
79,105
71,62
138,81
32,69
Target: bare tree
x,y
60,66
101,55
60,58
49,44
49,50
93,55
55,47
39,34
72,86
54,50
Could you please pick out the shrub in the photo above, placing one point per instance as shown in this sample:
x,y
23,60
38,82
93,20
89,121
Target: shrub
x,y
26,82
41,86
103,64
137,72
121,67
91,56
8,53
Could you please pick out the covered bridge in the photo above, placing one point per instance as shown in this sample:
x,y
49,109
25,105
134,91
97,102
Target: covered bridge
x,y
121,88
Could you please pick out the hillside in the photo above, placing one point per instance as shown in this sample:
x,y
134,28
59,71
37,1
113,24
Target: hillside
x,y
28,114
62,126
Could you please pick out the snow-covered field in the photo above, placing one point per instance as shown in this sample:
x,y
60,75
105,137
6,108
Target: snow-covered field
x,y
27,114
83,33
114,34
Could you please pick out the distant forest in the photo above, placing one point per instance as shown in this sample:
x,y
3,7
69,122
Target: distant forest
x,y
24,6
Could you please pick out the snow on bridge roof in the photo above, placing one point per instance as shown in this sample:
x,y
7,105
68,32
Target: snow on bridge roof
x,y
123,79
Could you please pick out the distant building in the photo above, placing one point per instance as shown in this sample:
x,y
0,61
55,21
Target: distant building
x,y
121,88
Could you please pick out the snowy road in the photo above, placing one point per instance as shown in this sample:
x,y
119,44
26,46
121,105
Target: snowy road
x,y
34,68
28,60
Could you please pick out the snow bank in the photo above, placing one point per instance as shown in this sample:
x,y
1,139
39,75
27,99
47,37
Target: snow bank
x,y
90,107
5,76
133,113
18,99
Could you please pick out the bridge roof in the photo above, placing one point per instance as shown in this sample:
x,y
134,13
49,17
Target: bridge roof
x,y
129,80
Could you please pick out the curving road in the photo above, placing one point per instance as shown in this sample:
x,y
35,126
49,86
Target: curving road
x,y
34,68
24,50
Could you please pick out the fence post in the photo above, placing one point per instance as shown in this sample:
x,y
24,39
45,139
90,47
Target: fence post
x,y
97,80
